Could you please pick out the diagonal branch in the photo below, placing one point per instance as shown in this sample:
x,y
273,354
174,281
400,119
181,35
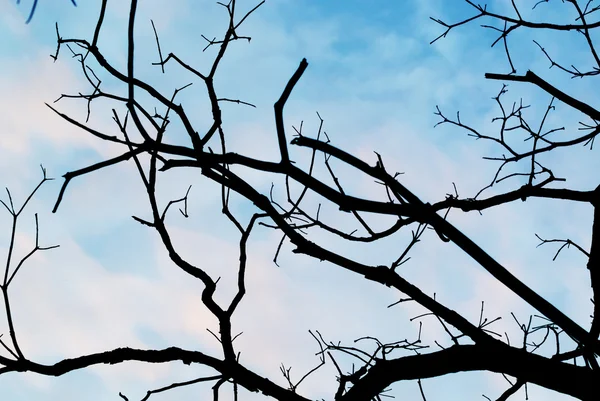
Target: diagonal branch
x,y
531,77
424,213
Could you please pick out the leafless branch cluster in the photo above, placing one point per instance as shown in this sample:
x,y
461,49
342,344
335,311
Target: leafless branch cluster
x,y
474,345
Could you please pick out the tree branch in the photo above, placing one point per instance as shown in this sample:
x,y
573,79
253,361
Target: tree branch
x,y
531,77
566,378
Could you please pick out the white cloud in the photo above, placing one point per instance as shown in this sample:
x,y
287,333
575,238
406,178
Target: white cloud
x,y
378,96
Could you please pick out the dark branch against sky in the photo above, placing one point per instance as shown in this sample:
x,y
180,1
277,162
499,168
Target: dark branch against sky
x,y
33,7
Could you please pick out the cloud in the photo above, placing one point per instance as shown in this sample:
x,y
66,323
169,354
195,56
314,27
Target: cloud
x,y
375,85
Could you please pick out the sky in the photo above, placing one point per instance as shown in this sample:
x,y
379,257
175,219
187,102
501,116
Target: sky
x,y
375,80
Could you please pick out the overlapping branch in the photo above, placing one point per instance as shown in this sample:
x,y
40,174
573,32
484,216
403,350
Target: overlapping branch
x,y
403,207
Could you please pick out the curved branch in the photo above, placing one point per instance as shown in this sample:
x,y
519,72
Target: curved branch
x,y
577,381
250,380
279,104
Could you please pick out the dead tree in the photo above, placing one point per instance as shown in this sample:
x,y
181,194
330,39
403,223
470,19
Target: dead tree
x,y
474,345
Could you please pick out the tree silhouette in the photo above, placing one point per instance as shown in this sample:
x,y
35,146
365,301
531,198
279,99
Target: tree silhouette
x,y
570,369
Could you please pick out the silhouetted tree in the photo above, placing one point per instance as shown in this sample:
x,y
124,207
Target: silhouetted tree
x,y
474,346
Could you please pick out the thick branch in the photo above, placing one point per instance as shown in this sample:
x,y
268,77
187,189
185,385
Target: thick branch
x,y
427,215
345,202
594,265
577,381
246,378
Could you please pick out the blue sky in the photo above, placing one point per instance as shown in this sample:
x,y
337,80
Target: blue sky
x,y
375,80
